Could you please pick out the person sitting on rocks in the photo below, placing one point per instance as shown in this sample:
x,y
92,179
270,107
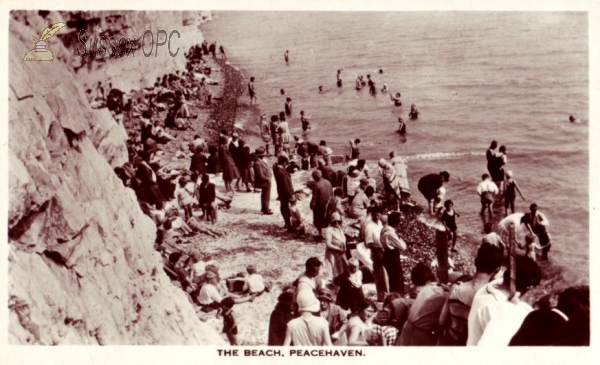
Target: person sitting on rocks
x,y
296,225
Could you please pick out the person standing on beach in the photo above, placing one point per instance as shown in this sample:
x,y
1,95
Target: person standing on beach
x,y
262,180
251,91
222,50
321,194
274,125
449,221
285,189
213,49
372,236
265,131
286,56
285,138
230,170
205,47
339,78
354,149
486,190
392,246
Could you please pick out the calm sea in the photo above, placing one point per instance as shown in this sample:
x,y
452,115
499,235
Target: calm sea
x,y
475,76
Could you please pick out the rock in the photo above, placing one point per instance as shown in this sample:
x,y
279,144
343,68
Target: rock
x,y
80,247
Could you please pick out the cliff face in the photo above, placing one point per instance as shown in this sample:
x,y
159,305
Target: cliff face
x,y
82,269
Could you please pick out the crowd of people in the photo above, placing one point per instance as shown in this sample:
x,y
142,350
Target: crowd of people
x,y
356,214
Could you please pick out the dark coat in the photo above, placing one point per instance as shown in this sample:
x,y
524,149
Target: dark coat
x,y
285,189
198,163
236,154
262,174
322,192
278,325
348,295
329,174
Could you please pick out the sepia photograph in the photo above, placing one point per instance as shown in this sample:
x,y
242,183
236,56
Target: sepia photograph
x,y
298,183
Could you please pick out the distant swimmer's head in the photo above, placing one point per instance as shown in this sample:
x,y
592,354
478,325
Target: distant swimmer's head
x,y
509,174
572,118
380,71
321,88
357,141
493,145
282,92
397,95
392,154
252,79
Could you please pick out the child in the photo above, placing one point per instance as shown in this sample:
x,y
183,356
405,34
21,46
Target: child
x,y
449,221
229,322
296,218
530,247
254,283
185,198
437,202
510,193
288,107
304,121
207,198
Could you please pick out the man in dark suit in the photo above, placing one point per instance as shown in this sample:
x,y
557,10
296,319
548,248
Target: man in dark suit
x,y
322,192
198,163
285,189
328,172
549,326
262,180
235,149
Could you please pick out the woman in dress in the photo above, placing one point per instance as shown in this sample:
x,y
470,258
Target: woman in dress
x,y
230,171
335,246
284,134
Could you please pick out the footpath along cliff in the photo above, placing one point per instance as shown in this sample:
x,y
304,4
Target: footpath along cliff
x,y
82,268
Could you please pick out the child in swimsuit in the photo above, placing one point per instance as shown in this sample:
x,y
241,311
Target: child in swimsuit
x,y
510,193
414,112
449,222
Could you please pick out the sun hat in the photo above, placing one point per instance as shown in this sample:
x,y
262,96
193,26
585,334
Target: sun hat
x,y
509,173
382,162
307,301
353,261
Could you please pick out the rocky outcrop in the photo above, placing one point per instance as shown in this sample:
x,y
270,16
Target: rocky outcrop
x,y
82,268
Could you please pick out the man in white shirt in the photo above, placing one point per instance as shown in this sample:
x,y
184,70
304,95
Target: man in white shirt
x,y
254,283
486,190
392,246
308,329
495,317
372,235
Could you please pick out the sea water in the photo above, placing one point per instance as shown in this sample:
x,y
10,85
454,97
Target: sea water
x,y
475,76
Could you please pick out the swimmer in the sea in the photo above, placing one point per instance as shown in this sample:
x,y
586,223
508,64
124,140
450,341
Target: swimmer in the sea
x,y
358,83
362,80
320,89
286,56
414,112
573,118
396,99
371,83
305,121
401,126
288,107
282,92
380,70
339,78
384,89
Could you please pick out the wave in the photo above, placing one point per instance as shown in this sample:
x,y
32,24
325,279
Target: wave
x,y
442,155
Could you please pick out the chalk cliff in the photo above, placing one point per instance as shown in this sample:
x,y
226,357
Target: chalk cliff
x,y
82,268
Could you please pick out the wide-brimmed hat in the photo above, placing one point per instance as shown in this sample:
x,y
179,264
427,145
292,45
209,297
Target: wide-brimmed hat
x,y
260,152
307,301
325,294
353,261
